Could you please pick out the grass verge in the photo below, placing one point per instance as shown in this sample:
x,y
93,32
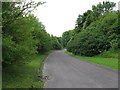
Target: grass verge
x,y
109,62
23,75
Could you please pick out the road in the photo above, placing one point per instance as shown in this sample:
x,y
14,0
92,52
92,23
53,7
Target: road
x,y
65,71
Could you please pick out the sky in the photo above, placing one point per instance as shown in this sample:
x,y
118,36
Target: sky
x,y
59,16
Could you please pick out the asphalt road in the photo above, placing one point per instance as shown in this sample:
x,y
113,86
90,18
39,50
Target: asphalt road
x,y
65,71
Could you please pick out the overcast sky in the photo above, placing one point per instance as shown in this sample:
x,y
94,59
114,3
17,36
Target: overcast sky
x,y
60,15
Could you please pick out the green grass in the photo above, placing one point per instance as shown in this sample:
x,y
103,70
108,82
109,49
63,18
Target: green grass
x,y
23,75
110,54
109,62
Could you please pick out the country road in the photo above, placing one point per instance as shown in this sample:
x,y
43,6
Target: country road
x,y
65,71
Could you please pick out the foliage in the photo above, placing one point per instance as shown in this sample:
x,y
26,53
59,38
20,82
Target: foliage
x,y
92,15
95,38
60,40
12,11
23,34
18,42
110,54
43,38
66,36
94,35
55,43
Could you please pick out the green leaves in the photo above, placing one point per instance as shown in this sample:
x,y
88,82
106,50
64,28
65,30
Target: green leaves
x,y
8,49
18,42
23,36
96,31
66,37
56,45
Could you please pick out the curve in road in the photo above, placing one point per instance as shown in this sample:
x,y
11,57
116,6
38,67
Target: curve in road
x,y
65,71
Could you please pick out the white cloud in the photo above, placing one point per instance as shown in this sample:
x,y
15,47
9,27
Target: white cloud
x,y
60,15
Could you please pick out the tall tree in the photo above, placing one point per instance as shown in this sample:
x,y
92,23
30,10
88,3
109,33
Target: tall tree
x,y
18,43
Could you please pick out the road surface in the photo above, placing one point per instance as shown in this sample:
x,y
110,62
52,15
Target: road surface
x,y
65,71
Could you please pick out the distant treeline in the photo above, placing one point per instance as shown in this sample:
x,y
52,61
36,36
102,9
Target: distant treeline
x,y
95,31
23,35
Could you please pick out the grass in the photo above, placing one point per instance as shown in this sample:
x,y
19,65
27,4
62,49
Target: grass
x,y
23,75
108,62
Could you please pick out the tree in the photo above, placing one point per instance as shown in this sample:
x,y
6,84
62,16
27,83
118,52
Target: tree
x,y
92,15
12,11
96,31
55,43
19,44
97,37
66,36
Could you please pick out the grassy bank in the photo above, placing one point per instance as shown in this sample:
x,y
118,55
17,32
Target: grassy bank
x,y
24,75
109,62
